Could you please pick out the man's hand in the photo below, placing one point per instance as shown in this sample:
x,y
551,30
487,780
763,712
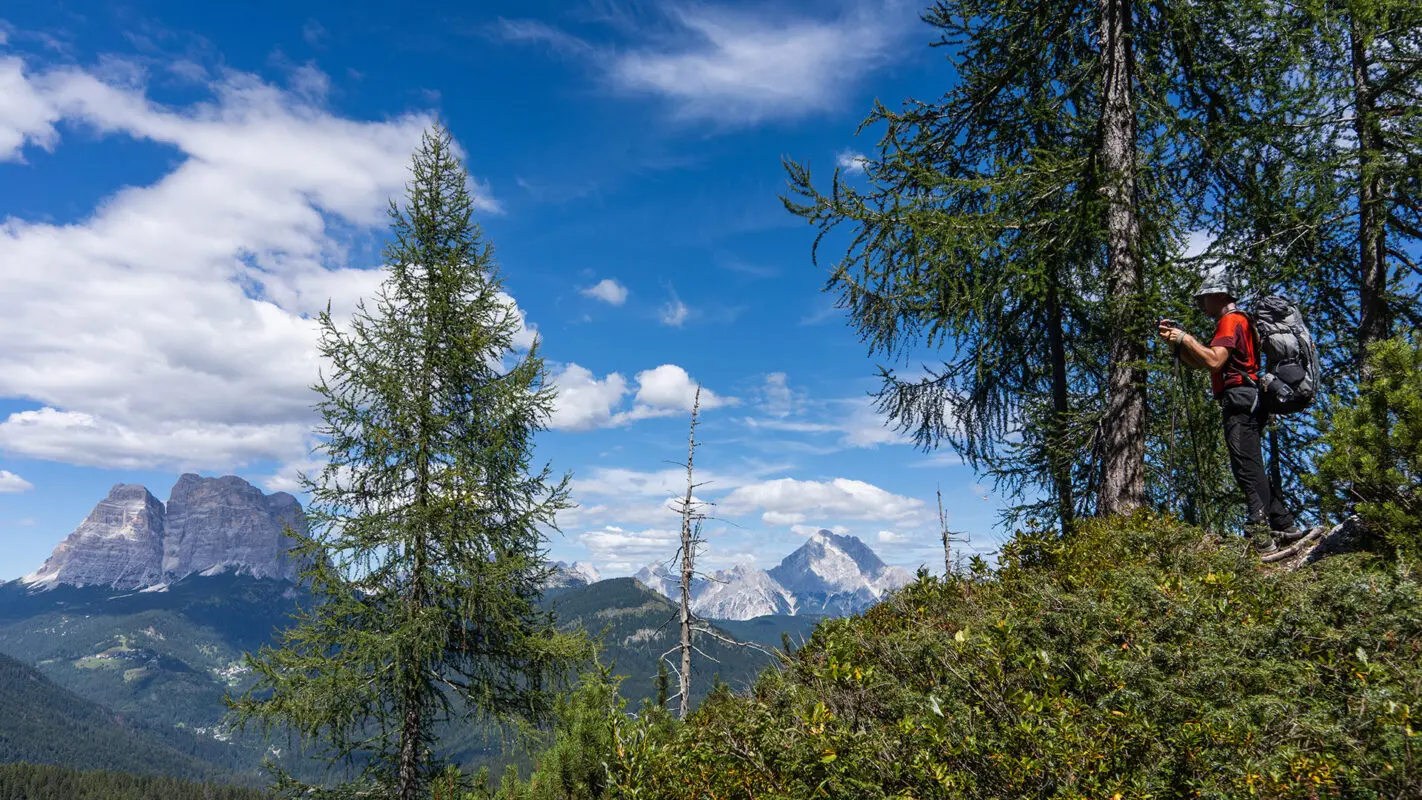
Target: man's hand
x,y
1171,332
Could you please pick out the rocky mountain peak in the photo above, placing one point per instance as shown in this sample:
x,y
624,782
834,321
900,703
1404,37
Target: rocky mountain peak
x,y
830,574
132,541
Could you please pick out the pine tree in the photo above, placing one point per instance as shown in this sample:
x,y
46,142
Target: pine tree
x,y
426,551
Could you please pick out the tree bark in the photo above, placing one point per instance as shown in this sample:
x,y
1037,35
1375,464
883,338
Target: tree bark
x,y
1374,322
688,549
1059,460
1123,478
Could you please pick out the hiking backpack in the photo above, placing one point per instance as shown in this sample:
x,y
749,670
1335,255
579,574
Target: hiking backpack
x,y
1289,382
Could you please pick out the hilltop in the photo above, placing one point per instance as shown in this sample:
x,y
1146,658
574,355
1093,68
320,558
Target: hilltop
x,y
1137,658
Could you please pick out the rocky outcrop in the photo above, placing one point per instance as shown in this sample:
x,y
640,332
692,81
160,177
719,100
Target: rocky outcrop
x,y
222,524
132,541
742,592
120,544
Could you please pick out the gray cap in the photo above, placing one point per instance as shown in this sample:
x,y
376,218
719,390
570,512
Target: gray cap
x,y
1216,281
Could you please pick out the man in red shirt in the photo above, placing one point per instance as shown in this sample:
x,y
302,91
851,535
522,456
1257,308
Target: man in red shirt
x,y
1232,358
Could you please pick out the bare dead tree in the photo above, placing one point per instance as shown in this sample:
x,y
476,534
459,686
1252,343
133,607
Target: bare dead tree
x,y
949,536
690,539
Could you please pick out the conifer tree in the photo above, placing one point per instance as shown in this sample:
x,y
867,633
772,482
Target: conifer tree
x,y
426,553
1025,225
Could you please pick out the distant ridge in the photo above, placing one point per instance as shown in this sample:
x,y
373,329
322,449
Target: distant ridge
x,y
829,575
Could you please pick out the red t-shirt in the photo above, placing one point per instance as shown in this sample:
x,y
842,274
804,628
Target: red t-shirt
x,y
1233,333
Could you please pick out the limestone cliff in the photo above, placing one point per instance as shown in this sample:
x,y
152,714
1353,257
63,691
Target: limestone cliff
x,y
209,525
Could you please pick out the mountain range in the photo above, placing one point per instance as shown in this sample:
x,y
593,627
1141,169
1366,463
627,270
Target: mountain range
x,y
829,575
130,540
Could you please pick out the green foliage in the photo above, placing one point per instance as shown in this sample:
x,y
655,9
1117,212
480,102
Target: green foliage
x,y
1373,461
34,782
1135,658
426,551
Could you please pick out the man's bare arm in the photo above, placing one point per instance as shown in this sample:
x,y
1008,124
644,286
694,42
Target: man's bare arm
x,y
1193,353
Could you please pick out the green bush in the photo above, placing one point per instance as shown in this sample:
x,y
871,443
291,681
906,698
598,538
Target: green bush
x,y
1137,659
1373,463
597,749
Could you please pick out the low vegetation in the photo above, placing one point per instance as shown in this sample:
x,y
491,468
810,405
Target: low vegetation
x,y
1138,658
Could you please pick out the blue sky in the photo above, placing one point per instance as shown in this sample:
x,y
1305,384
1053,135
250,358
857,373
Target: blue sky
x,y
182,183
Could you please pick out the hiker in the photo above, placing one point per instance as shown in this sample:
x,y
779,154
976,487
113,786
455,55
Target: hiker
x,y
1232,357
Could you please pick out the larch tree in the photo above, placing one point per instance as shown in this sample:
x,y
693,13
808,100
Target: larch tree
x,y
1023,227
426,555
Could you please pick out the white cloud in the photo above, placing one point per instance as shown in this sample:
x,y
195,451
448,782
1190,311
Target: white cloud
x,y
839,498
314,33
850,161
584,401
673,312
26,116
865,427
890,537
856,420
669,387
608,291
527,30
10,483
171,327
619,550
779,400
810,530
780,518
740,66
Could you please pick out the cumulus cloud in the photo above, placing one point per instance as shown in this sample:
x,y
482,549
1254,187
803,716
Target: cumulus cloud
x,y
586,402
172,327
621,550
608,291
10,483
841,498
850,161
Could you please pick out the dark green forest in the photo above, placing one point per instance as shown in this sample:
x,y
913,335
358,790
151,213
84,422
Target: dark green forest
x,y
35,782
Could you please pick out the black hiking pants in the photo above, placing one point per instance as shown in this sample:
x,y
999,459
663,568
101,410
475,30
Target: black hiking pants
x,y
1243,429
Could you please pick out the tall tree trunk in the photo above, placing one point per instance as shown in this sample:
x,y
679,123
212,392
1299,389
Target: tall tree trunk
x,y
1123,478
688,551
1374,322
1059,459
411,700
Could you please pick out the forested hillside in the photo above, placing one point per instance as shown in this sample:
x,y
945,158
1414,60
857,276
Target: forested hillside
x,y
32,782
42,723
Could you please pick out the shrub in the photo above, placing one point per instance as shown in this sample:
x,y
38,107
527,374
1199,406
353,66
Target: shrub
x,y
1136,659
1373,463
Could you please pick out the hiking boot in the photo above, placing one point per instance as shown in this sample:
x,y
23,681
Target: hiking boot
x,y
1293,533
1260,539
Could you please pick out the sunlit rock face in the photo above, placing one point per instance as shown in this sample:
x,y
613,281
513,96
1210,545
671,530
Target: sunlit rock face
x,y
209,525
